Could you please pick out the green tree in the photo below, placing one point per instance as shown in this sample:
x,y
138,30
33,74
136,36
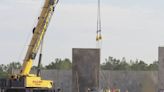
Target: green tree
x,y
34,67
115,64
153,66
60,64
107,65
12,66
139,65
66,64
124,65
3,71
3,68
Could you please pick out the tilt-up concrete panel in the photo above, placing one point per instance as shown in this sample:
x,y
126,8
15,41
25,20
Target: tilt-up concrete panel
x,y
85,69
161,69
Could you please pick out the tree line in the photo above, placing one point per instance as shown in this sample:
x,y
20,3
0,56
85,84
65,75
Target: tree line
x,y
109,64
132,65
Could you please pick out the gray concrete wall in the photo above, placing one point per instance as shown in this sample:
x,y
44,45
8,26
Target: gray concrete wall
x,y
161,69
133,81
85,69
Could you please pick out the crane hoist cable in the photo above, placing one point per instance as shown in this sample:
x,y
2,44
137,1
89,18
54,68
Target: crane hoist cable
x,y
98,33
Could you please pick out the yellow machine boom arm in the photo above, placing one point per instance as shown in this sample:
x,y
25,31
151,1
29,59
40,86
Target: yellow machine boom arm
x,y
38,35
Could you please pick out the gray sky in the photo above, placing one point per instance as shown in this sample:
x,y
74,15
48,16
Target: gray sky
x,y
130,28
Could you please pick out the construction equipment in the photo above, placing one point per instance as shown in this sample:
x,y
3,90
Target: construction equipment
x,y
98,32
98,37
24,81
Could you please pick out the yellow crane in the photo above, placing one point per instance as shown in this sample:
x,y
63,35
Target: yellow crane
x,y
24,81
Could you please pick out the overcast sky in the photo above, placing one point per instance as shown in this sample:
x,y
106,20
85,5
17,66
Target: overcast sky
x,y
130,28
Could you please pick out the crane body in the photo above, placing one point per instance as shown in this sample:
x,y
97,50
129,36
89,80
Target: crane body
x,y
24,81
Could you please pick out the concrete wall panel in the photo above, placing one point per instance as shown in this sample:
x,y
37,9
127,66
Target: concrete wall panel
x,y
85,70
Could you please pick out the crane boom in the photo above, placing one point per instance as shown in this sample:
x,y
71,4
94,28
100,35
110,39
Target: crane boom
x,y
38,35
